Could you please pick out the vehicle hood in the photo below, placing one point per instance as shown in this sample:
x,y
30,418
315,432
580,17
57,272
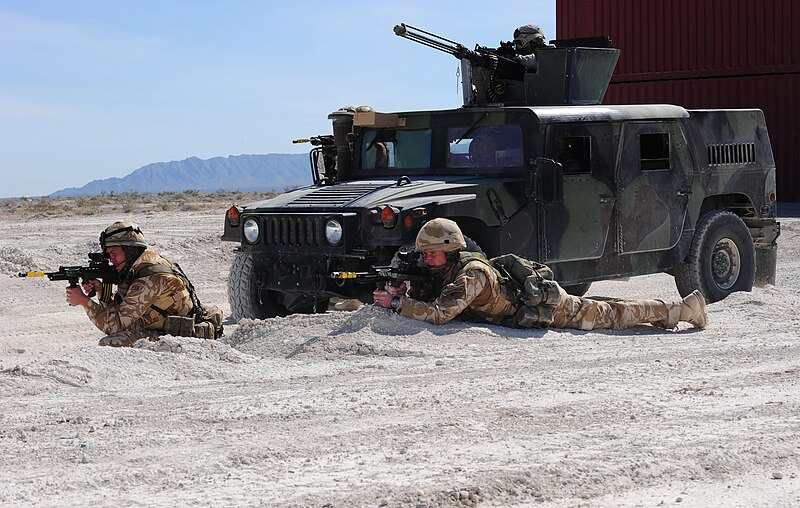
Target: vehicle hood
x,y
366,193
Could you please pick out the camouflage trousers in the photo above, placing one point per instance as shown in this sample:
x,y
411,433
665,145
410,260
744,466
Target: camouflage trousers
x,y
588,314
128,338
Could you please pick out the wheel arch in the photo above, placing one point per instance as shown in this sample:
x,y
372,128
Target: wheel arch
x,y
737,203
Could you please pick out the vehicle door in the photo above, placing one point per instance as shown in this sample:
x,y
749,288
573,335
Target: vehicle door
x,y
578,227
653,178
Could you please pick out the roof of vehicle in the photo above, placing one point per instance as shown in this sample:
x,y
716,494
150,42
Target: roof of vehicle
x,y
589,113
600,113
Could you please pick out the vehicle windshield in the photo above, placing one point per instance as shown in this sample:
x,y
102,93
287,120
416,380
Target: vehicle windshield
x,y
493,146
458,150
391,148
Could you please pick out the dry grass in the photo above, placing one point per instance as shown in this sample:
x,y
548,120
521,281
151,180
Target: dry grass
x,y
126,203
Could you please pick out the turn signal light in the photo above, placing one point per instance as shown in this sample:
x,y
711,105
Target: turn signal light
x,y
389,216
233,215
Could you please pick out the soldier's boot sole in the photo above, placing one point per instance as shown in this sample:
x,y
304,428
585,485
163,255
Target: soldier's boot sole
x,y
693,309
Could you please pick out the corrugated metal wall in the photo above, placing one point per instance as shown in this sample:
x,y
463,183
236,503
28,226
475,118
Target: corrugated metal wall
x,y
704,54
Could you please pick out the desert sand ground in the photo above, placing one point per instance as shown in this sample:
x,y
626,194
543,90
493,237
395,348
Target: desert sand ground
x,y
367,408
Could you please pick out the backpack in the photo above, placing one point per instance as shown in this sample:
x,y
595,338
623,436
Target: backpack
x,y
531,285
203,321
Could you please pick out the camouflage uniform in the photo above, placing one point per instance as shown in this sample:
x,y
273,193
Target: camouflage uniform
x,y
130,316
476,287
476,291
473,290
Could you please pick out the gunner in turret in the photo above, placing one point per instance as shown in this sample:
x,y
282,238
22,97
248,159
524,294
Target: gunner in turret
x,y
527,39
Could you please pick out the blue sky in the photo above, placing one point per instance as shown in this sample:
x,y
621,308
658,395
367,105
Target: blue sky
x,y
96,89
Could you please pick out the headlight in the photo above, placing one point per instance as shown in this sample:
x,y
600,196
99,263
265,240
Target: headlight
x,y
250,230
333,232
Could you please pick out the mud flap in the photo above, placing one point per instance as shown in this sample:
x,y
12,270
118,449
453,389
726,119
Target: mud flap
x,y
767,255
766,261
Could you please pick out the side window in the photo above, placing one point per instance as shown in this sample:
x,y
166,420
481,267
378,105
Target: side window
x,y
574,153
654,151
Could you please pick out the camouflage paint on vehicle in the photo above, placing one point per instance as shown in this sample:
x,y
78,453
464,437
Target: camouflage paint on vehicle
x,y
652,171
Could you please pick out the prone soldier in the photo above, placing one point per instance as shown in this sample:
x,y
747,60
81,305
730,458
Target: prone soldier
x,y
473,288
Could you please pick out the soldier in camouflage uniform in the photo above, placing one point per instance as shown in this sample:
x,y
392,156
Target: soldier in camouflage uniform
x,y
141,304
474,291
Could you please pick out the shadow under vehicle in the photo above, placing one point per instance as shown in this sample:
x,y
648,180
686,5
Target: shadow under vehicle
x,y
594,191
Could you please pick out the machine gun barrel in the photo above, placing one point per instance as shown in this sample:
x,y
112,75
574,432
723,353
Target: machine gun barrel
x,y
434,41
321,140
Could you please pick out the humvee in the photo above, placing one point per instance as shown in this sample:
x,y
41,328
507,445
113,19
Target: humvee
x,y
594,191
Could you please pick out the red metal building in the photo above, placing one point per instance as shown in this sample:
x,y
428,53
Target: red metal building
x,y
704,54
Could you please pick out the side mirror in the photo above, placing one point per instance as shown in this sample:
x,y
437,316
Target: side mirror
x,y
547,181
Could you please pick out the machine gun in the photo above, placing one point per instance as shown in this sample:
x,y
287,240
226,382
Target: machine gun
x,y
568,72
481,55
99,268
322,158
406,267
488,74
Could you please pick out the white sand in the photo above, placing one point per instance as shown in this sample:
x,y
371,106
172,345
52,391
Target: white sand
x,y
367,408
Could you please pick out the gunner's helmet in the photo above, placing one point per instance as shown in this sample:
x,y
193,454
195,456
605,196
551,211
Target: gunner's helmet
x,y
527,38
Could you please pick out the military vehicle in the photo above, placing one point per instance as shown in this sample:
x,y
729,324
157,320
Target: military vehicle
x,y
532,164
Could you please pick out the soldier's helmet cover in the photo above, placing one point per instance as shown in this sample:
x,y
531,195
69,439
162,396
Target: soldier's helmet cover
x,y
527,38
440,234
122,234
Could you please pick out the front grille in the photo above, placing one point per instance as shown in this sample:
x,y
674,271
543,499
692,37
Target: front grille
x,y
293,231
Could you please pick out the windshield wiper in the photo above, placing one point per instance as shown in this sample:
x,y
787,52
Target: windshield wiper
x,y
471,128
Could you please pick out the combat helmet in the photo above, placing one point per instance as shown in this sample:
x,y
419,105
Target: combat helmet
x,y
527,38
440,234
123,233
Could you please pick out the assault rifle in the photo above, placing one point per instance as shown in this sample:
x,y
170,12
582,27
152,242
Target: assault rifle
x,y
99,268
407,267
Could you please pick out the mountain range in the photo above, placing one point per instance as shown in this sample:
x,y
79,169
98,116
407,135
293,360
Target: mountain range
x,y
250,173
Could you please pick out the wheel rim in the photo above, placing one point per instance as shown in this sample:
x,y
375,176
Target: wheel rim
x,y
725,263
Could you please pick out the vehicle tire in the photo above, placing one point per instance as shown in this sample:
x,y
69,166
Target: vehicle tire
x,y
244,297
578,289
721,259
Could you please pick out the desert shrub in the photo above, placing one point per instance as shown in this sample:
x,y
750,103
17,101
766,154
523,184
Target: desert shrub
x,y
90,210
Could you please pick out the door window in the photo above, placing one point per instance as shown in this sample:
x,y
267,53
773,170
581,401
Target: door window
x,y
654,151
574,153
